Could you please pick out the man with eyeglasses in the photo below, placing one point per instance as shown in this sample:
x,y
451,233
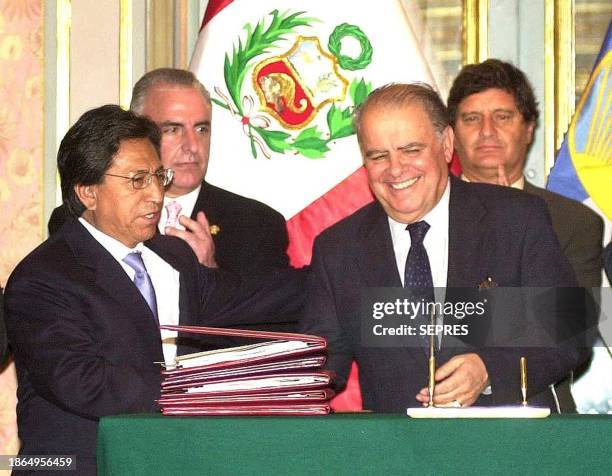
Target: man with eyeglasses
x,y
224,229
84,308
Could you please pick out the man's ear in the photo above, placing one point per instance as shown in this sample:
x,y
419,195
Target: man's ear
x,y
88,194
530,129
448,143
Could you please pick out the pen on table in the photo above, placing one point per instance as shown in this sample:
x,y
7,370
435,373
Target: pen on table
x,y
432,365
524,380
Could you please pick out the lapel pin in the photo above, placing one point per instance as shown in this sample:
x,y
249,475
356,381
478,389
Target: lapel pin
x,y
487,283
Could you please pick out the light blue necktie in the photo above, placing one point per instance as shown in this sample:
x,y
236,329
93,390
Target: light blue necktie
x,y
142,280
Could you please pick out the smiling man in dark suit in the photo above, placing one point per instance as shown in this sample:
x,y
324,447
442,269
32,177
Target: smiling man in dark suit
x,y
236,233
84,308
429,230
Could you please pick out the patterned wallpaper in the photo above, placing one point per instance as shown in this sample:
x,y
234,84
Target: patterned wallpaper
x,y
21,160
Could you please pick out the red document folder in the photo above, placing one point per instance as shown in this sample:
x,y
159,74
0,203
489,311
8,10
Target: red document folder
x,y
278,346
290,396
281,376
263,383
249,410
176,381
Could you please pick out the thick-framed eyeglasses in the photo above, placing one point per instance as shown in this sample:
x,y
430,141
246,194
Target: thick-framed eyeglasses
x,y
143,179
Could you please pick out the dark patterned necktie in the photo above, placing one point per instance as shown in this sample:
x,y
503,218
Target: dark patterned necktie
x,y
142,280
417,275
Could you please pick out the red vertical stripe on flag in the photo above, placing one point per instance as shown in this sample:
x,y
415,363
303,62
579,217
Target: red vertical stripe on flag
x,y
214,7
344,199
341,201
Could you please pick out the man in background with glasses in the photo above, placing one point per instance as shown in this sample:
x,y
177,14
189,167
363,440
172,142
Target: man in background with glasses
x,y
84,308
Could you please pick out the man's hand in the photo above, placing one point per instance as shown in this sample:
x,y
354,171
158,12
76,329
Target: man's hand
x,y
197,235
462,378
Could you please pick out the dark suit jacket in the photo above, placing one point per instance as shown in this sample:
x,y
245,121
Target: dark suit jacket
x,y
253,237
580,232
493,232
85,342
3,341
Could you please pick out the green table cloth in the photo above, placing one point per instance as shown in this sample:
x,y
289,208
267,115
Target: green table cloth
x,y
353,444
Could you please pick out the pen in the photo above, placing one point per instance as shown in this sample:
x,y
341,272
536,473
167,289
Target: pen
x,y
432,371
524,380
432,365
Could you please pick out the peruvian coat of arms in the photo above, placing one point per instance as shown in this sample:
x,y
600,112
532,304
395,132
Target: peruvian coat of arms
x,y
290,88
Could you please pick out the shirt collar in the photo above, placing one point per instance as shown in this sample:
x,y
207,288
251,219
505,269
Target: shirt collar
x,y
187,201
435,218
117,249
519,184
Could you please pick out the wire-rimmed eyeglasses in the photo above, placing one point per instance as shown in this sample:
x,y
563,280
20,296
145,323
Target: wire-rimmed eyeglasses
x,y
143,179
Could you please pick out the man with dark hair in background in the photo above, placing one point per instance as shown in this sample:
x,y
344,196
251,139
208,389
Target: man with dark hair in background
x,y
427,229
236,233
494,113
84,308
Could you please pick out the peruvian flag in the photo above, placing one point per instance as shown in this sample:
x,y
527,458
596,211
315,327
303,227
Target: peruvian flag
x,y
285,78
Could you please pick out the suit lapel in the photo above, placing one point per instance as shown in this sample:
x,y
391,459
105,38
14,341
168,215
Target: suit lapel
x,y
188,303
204,203
207,203
115,285
374,249
378,268
469,245
200,203
531,189
468,250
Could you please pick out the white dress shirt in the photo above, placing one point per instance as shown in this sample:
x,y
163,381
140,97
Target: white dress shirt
x,y
519,184
435,242
436,245
165,279
187,203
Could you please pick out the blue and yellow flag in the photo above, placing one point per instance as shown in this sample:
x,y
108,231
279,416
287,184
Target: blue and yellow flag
x,y
583,167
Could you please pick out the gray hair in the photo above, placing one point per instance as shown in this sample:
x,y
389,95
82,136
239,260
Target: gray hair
x,y
396,95
179,77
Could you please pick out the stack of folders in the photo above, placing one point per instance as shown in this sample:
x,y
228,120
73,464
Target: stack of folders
x,y
280,376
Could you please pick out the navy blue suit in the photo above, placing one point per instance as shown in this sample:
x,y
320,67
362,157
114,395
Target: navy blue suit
x,y
85,342
494,232
253,237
